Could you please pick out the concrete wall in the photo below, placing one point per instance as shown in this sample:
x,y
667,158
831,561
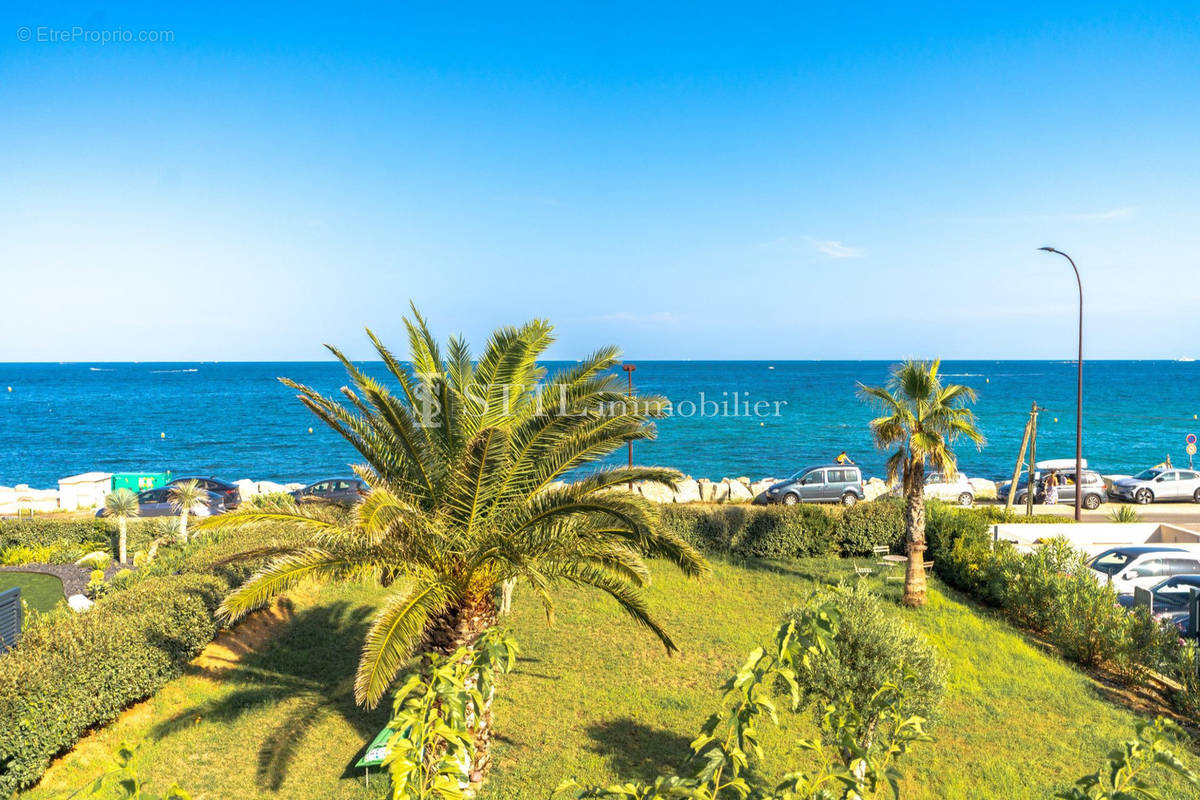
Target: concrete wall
x,y
1094,537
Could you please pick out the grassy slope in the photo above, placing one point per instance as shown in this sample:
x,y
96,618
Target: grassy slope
x,y
595,698
41,592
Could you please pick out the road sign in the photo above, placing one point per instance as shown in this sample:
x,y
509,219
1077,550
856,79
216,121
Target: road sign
x,y
1191,438
1191,449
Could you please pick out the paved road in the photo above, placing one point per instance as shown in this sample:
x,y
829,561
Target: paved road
x,y
1185,515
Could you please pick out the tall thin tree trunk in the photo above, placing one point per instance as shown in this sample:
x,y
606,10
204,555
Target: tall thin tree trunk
x,y
459,627
182,533
122,540
914,521
506,593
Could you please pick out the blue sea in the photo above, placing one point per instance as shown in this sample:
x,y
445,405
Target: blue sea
x,y
235,420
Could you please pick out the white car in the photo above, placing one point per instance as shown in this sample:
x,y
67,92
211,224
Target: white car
x,y
939,486
1144,565
1159,483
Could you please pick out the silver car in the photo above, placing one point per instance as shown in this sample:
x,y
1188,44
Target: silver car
x,y
1156,484
830,483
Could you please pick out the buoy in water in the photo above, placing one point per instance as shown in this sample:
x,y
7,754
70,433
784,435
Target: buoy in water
x,y
162,435
1056,419
310,430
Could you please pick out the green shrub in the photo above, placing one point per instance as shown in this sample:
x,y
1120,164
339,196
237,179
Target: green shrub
x,y
865,526
80,671
798,531
68,535
873,645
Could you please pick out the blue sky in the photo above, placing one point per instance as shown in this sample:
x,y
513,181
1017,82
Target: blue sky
x,y
691,181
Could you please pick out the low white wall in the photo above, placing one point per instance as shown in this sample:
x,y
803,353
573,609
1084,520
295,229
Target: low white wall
x,y
1094,537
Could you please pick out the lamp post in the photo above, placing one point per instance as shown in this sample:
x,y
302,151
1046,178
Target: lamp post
x,y
1078,393
629,368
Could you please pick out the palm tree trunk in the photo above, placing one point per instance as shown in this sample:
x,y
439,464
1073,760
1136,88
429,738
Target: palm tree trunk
x,y
122,540
914,521
455,628
182,532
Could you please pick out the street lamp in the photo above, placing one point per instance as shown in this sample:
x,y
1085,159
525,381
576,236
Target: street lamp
x,y
629,368
1078,393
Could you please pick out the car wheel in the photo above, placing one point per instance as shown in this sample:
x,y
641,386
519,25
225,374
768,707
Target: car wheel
x,y
966,499
790,499
1196,496
849,499
1144,496
1091,502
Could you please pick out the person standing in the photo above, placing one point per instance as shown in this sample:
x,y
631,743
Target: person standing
x,y
1052,488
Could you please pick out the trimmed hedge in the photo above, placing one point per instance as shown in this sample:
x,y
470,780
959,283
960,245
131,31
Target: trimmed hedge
x,y
799,531
48,532
75,672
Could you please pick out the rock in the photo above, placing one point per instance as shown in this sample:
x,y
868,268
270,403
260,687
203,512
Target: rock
x,y
270,487
79,604
687,491
707,490
744,480
246,488
293,487
721,491
984,489
874,488
740,492
656,492
759,489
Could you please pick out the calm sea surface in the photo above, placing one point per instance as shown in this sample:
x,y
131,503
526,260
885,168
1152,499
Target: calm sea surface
x,y
236,420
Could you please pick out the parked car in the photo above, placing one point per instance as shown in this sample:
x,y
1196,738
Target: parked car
x,y
1158,483
828,483
1094,491
342,491
1143,565
228,491
1170,597
158,503
940,486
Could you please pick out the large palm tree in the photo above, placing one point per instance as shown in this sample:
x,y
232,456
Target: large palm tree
x,y
121,505
184,497
465,460
921,417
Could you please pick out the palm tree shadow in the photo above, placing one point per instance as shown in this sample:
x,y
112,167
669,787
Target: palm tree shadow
x,y
639,752
307,671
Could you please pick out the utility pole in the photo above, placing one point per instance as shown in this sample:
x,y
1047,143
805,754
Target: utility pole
x,y
1031,487
1016,476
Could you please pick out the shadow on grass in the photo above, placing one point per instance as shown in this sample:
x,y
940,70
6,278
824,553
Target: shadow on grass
x,y
307,671
639,752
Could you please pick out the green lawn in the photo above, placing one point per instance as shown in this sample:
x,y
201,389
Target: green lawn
x,y
596,698
41,592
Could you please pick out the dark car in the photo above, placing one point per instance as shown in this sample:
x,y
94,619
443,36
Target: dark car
x,y
1094,491
342,491
828,483
158,503
228,491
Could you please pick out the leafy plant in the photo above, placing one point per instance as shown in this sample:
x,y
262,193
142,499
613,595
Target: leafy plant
x,y
122,506
434,719
96,587
726,756
1131,766
873,646
921,417
185,496
1124,514
464,465
125,783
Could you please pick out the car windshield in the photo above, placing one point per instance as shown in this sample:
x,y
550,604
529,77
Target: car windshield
x,y
1148,475
1111,562
801,473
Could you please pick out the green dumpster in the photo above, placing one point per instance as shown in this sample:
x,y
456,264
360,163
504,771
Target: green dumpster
x,y
139,481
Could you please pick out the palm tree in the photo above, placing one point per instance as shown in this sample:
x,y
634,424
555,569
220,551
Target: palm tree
x,y
464,466
920,417
184,497
121,505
